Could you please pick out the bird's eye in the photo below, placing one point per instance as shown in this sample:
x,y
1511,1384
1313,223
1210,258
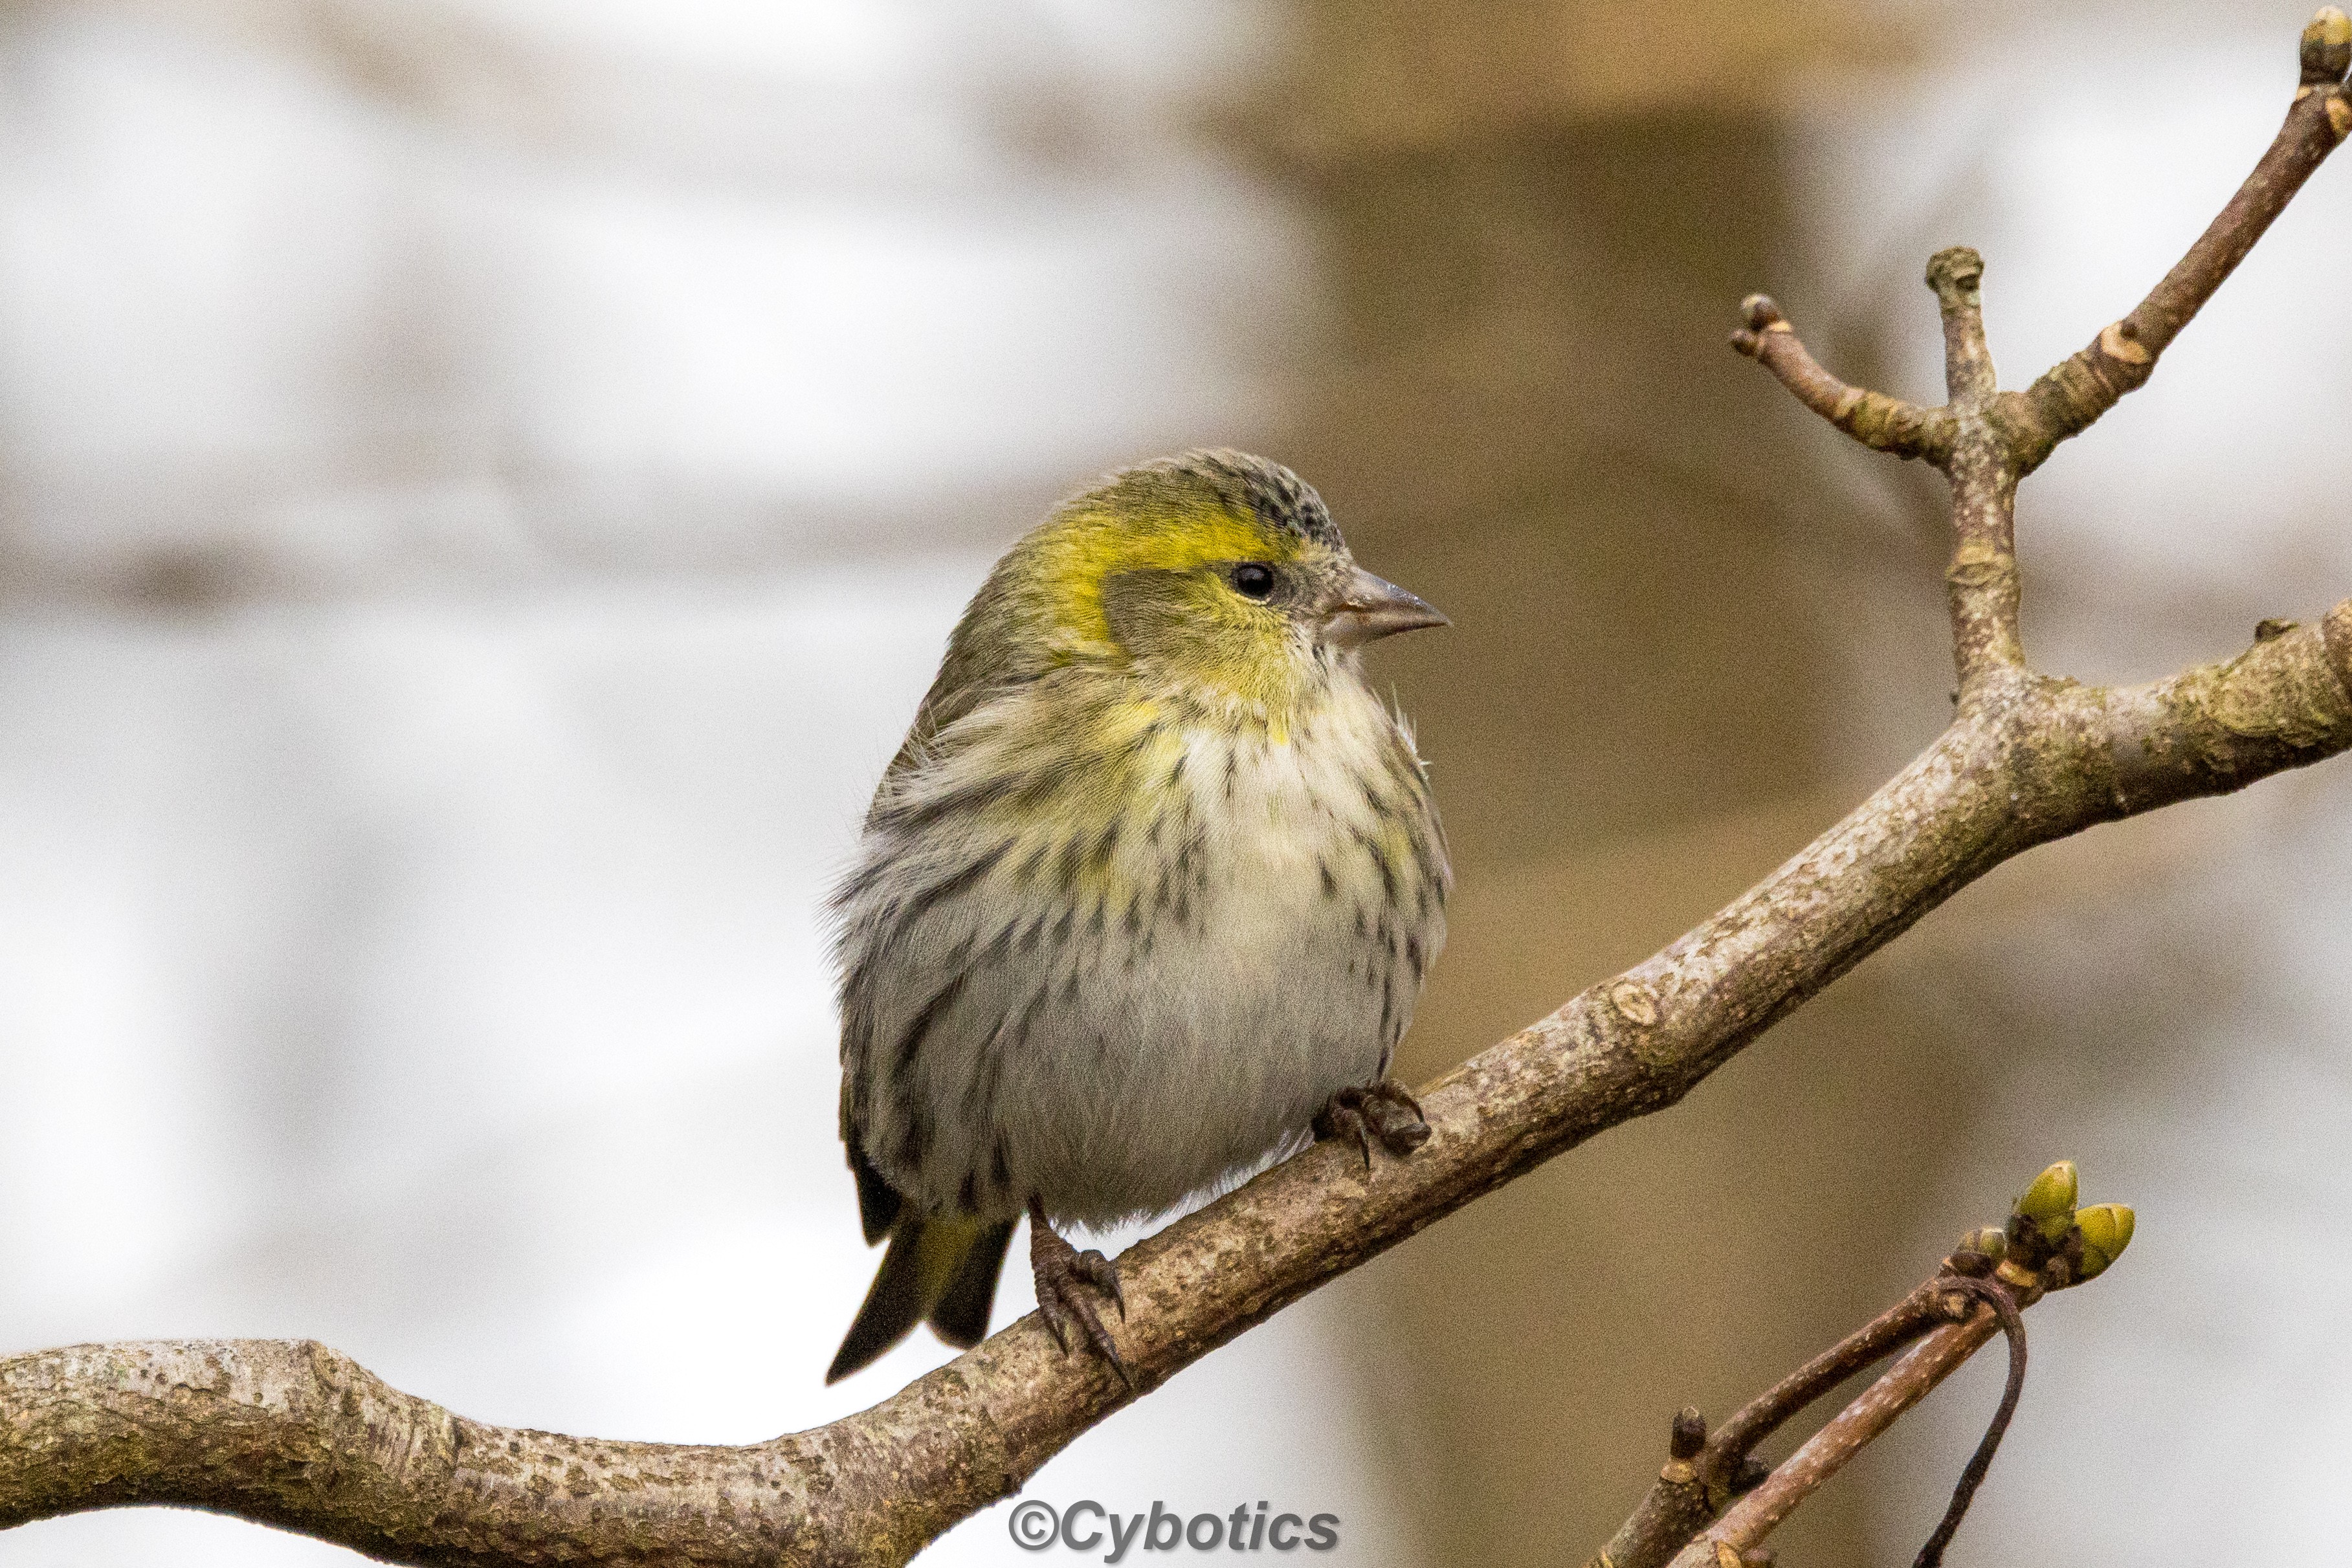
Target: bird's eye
x,y
1253,580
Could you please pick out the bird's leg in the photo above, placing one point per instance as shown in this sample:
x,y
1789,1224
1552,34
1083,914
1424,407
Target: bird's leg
x,y
1381,1112
1066,1276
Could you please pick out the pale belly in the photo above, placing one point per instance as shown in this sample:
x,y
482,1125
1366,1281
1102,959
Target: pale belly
x,y
1113,1053
1158,1080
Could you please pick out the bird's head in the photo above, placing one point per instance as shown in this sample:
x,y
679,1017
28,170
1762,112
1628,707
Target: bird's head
x,y
1212,570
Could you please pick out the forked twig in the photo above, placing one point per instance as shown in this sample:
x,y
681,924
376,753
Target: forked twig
x,y
1713,1503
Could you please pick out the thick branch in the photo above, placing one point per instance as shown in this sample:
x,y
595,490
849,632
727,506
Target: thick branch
x,y
292,1435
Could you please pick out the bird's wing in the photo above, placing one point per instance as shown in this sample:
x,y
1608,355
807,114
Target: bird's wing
x,y
878,1202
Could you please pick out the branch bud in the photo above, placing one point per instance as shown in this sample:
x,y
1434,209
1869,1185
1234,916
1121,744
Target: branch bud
x,y
2106,1230
1955,274
2327,47
1988,1239
2049,1203
1762,316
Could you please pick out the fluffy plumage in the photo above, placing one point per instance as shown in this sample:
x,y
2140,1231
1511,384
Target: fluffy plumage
x,y
1154,875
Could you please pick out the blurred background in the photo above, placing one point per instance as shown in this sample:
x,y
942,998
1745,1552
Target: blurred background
x,y
484,483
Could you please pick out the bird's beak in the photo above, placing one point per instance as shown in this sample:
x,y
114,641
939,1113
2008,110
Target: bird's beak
x,y
1368,607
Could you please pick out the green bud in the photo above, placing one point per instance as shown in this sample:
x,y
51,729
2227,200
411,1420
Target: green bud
x,y
2049,1203
2106,1230
1988,1239
1979,1253
2327,46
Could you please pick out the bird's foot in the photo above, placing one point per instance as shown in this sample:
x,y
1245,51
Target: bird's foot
x,y
1066,1279
1379,1113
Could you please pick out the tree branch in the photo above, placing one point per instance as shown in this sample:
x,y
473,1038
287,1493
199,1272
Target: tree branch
x,y
293,1434
1992,1276
2077,391
1702,1473
1880,423
1821,1456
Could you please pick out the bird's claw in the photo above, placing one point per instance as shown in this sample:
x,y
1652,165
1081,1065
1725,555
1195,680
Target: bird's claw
x,y
1382,1113
1103,1275
1065,1277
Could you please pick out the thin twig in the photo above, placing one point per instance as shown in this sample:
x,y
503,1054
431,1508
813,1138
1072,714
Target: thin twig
x,y
1956,276
1964,1492
1845,1435
2073,393
1982,578
1880,423
1889,1332
1702,1473
1983,1308
1705,1476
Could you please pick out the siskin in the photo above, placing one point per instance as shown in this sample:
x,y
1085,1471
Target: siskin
x,y
1148,892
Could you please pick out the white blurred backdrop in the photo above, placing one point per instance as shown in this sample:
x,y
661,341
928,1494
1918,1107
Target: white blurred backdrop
x,y
2173,989
484,483
485,488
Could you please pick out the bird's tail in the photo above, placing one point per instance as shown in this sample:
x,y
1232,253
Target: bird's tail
x,y
942,1270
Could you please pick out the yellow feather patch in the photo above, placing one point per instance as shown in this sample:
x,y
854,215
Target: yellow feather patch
x,y
1081,549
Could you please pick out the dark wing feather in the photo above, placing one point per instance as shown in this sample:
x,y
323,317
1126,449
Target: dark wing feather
x,y
878,1202
893,1306
961,1318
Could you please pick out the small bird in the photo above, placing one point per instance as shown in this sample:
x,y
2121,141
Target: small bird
x,y
1148,894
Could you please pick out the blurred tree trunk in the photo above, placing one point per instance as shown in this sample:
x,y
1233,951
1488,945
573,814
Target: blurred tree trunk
x,y
1537,218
